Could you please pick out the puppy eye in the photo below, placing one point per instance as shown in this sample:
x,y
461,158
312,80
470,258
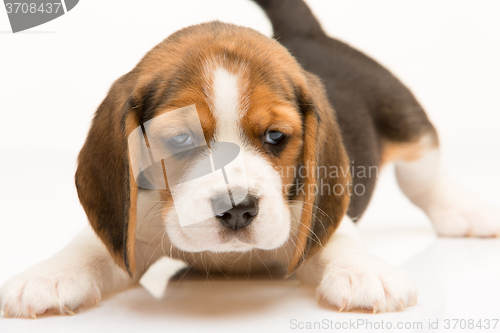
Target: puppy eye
x,y
181,140
274,137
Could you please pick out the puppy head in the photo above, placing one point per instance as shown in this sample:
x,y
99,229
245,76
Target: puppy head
x,y
226,124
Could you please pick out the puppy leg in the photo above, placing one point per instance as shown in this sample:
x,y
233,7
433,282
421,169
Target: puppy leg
x,y
350,278
76,276
452,210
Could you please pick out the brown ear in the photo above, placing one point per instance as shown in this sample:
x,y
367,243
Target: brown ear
x,y
327,180
104,181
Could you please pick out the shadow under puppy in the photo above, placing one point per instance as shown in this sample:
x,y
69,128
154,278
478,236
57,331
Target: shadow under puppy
x,y
304,126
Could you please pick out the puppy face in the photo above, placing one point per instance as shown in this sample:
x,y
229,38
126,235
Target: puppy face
x,y
243,206
226,117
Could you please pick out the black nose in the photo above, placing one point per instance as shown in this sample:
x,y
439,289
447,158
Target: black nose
x,y
239,216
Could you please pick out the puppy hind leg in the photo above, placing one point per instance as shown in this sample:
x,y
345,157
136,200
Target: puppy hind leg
x,y
452,210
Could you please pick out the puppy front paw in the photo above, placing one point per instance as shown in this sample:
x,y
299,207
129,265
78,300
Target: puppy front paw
x,y
46,287
363,281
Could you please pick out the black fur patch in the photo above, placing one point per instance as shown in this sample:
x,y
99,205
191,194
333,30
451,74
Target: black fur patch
x,y
371,105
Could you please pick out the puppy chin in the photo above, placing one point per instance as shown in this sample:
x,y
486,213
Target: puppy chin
x,y
211,244
234,245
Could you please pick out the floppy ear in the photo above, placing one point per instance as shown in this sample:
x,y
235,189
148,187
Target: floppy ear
x,y
104,181
327,181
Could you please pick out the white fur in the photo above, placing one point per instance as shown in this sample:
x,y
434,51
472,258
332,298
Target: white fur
x,y
347,277
78,275
226,103
452,210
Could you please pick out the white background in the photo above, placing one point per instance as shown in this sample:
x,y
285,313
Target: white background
x,y
53,77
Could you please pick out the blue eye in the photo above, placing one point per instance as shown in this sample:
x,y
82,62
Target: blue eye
x,y
181,140
274,137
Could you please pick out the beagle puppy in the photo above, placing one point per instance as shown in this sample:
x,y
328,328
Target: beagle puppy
x,y
229,150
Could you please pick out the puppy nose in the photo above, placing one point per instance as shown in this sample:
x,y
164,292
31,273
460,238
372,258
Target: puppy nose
x,y
240,215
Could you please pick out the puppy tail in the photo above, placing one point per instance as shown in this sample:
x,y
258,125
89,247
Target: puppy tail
x,y
291,18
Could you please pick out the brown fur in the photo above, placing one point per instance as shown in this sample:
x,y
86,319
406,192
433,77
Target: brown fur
x,y
102,177
406,151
